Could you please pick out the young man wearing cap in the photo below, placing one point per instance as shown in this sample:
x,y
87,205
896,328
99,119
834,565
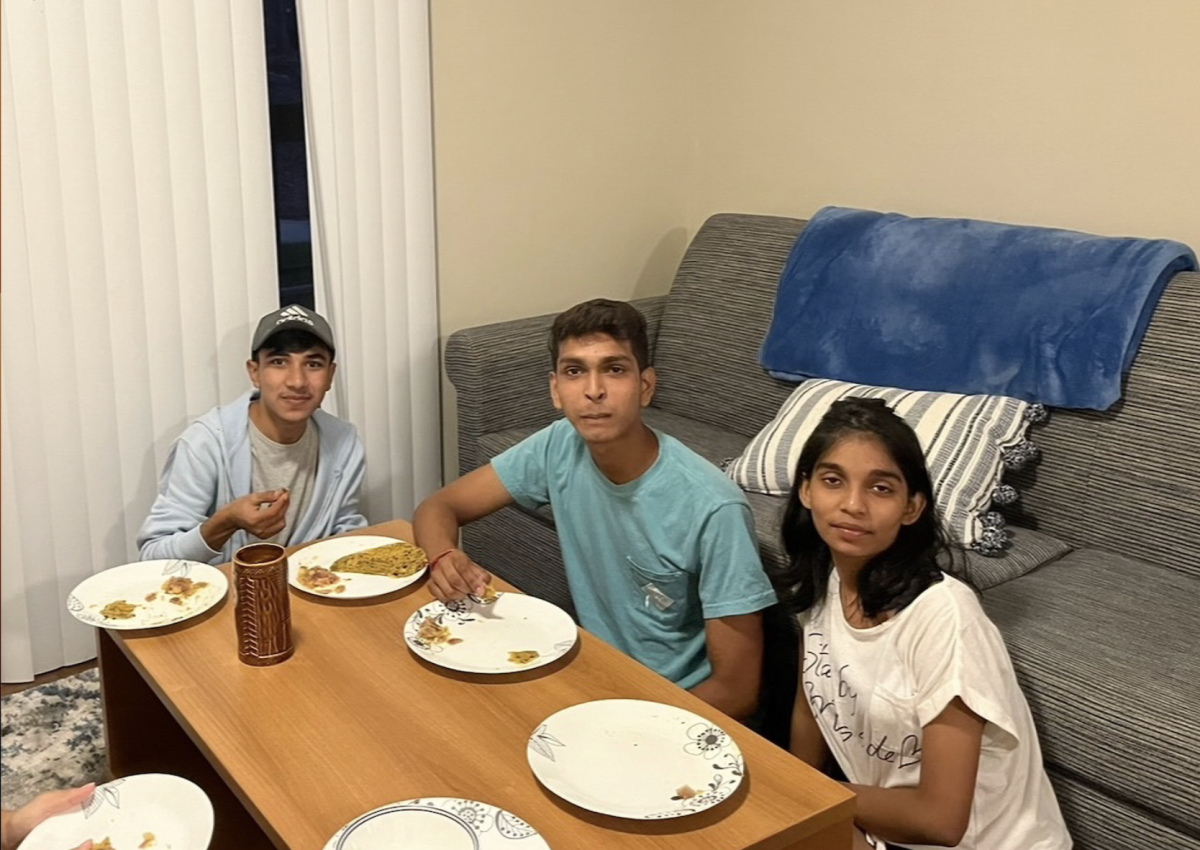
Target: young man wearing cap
x,y
658,545
270,466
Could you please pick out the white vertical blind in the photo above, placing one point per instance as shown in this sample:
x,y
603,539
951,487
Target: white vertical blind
x,y
368,109
138,248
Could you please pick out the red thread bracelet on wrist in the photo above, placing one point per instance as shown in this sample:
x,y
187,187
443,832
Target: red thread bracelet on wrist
x,y
439,557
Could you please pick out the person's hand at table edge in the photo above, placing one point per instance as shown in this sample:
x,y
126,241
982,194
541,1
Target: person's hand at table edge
x,y
16,825
453,575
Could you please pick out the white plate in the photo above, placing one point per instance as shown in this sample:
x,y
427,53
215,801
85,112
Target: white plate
x,y
358,585
513,623
175,810
437,823
134,582
631,758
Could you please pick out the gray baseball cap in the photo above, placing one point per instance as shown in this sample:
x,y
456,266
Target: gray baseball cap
x,y
292,318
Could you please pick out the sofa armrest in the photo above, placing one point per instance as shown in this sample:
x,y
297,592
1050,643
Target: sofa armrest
x,y
500,373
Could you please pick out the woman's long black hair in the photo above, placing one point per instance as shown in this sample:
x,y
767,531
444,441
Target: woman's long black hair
x,y
894,577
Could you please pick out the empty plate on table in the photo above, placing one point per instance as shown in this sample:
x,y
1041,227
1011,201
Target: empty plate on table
x,y
437,823
147,594
635,759
515,632
148,810
350,585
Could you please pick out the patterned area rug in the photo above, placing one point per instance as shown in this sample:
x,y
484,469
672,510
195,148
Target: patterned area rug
x,y
52,737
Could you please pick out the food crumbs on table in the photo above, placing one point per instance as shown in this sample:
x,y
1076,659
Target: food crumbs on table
x,y
150,597
686,792
148,840
523,656
119,610
102,845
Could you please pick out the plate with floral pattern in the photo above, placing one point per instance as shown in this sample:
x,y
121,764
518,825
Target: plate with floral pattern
x,y
515,632
148,810
147,594
437,823
635,759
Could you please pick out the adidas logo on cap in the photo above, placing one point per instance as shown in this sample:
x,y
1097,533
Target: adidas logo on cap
x,y
295,313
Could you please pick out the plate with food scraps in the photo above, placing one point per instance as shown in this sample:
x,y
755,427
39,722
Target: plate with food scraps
x,y
155,810
147,594
635,759
355,567
506,634
437,823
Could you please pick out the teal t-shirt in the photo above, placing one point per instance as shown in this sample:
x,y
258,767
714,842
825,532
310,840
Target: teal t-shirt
x,y
650,560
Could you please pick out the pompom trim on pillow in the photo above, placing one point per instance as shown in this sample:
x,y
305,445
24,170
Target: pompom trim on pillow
x,y
1005,494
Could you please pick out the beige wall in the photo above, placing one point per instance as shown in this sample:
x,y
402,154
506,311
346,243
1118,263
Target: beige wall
x,y
579,145
1082,114
560,134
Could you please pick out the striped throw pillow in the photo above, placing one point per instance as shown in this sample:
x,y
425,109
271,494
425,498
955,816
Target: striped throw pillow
x,y
968,440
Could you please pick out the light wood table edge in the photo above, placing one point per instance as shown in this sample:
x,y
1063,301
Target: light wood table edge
x,y
832,829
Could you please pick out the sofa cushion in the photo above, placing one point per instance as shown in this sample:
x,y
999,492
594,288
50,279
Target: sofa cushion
x,y
1105,650
1116,480
968,442
1027,550
711,442
717,314
1101,822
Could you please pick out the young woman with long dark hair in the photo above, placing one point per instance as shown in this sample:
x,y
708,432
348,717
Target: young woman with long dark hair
x,y
904,679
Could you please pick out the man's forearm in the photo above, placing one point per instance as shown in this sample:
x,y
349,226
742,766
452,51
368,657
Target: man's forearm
x,y
216,530
735,651
736,701
436,528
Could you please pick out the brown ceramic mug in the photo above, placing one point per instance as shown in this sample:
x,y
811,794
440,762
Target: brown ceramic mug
x,y
263,612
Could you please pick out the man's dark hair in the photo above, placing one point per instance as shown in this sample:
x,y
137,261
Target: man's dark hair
x,y
291,341
618,319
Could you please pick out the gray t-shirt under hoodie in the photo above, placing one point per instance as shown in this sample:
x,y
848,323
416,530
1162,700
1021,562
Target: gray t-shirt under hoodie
x,y
278,465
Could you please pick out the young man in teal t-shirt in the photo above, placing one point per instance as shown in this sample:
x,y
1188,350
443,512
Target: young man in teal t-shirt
x,y
658,544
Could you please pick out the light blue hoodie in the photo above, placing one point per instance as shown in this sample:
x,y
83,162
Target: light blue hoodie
x,y
210,466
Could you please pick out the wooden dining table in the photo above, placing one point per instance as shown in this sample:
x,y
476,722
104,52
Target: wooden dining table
x,y
354,720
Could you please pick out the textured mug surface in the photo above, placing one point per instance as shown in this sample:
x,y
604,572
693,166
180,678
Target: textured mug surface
x,y
263,612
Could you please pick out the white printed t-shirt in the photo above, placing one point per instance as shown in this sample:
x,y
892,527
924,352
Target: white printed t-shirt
x,y
873,690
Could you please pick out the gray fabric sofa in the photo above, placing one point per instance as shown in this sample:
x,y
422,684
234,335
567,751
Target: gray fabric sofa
x,y
1096,596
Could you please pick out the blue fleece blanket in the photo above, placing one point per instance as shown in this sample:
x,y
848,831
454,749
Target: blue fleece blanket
x,y
966,306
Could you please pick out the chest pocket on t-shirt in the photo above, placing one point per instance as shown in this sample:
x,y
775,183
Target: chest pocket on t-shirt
x,y
662,591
